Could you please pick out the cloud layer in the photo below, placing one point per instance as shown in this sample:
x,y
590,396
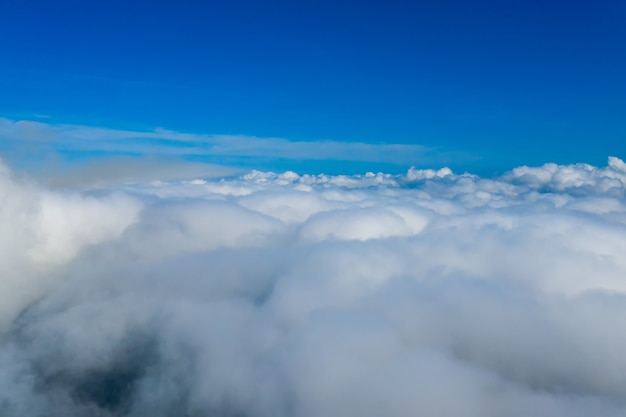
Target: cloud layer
x,y
428,293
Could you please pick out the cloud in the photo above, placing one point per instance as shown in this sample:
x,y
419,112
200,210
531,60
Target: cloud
x,y
279,294
162,142
42,229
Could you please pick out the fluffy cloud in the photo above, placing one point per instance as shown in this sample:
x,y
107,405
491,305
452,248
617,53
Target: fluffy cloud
x,y
428,293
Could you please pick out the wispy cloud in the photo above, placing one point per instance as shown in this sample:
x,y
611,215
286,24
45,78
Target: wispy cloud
x,y
162,142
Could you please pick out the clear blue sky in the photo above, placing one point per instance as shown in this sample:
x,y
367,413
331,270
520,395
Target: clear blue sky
x,y
514,82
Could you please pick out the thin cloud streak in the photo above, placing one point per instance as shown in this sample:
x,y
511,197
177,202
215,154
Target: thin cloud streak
x,y
161,142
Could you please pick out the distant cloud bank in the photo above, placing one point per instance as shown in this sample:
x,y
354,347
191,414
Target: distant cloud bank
x,y
278,294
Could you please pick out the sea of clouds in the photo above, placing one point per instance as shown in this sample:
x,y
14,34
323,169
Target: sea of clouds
x,y
275,295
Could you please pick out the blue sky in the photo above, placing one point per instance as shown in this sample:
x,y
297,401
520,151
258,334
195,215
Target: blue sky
x,y
482,86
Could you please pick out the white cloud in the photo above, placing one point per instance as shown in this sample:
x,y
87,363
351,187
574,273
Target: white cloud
x,y
43,229
269,294
365,223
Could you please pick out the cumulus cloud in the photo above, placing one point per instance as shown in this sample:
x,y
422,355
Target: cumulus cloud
x,y
279,294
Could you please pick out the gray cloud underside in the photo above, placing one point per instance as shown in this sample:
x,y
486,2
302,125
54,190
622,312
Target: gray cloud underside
x,y
429,294
120,170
